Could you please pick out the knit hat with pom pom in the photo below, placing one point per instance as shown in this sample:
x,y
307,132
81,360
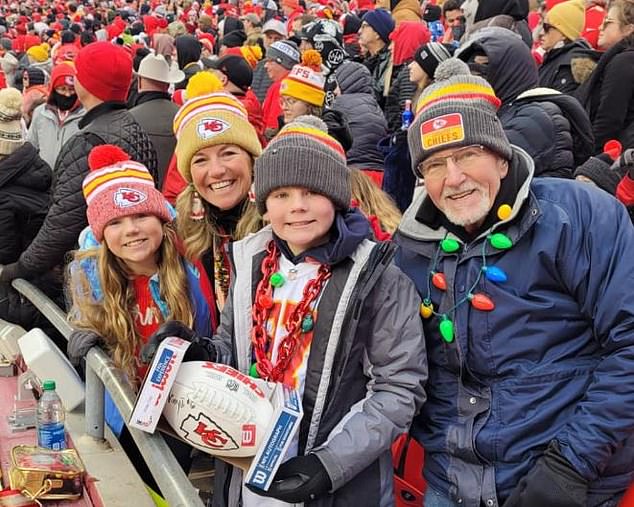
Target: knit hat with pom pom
x,y
210,117
117,187
11,135
303,155
458,109
305,81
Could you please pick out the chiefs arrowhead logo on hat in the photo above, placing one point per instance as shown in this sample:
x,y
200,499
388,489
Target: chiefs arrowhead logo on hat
x,y
210,127
446,129
126,197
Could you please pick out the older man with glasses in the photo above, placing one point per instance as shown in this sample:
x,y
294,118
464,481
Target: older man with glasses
x,y
528,315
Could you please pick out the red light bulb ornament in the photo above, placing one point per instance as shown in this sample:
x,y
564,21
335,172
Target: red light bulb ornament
x,y
481,302
439,281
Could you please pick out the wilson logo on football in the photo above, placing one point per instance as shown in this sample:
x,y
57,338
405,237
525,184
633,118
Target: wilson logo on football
x,y
210,127
248,435
204,432
126,197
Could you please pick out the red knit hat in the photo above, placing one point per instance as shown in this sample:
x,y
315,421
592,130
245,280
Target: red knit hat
x,y
117,187
63,74
104,70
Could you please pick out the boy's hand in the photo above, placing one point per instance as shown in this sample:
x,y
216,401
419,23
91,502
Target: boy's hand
x,y
300,479
169,328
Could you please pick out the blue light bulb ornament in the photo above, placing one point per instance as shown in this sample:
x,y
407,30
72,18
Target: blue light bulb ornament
x,y
494,274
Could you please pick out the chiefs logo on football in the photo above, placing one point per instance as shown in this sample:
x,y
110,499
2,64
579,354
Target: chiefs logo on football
x,y
204,432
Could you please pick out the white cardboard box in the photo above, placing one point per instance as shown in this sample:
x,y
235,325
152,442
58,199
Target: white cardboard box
x,y
157,384
285,424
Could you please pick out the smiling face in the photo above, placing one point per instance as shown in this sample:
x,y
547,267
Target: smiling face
x,y
465,192
135,240
300,217
221,174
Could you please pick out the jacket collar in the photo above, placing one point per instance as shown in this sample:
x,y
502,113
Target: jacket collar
x,y
415,226
100,110
148,96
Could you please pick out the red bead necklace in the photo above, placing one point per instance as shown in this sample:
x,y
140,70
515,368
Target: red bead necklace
x,y
262,307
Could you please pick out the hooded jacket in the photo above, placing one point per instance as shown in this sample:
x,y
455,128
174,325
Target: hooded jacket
x,y
188,50
482,13
556,70
48,134
366,123
608,95
107,123
542,130
25,186
364,382
548,362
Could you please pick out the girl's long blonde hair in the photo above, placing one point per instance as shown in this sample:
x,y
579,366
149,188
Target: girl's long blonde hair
x,y
113,316
198,235
374,201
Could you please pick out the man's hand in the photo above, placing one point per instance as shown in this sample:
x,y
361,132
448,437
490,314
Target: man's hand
x,y
80,342
300,479
552,482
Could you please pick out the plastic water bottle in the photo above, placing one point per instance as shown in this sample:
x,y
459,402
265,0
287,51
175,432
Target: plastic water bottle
x,y
50,419
407,116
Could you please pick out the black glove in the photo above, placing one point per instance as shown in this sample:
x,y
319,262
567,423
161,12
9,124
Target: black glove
x,y
300,479
552,482
201,348
169,328
9,272
626,162
80,342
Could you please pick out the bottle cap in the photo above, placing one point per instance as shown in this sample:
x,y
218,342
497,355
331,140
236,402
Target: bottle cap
x,y
48,385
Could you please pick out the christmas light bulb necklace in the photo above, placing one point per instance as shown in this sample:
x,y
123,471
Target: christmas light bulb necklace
x,y
479,301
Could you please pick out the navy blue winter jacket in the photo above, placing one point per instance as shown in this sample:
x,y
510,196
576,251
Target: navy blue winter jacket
x,y
553,360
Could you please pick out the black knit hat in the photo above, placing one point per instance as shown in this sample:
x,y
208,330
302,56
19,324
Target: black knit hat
x,y
234,39
429,55
237,70
599,170
432,13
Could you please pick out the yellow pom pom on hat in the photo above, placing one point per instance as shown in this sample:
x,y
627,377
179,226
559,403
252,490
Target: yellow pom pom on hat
x,y
568,17
210,117
305,81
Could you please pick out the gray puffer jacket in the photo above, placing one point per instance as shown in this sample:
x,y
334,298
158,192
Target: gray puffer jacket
x,y
365,118
364,381
48,135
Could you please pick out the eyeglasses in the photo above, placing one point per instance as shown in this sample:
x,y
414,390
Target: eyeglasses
x,y
607,22
464,158
547,27
288,101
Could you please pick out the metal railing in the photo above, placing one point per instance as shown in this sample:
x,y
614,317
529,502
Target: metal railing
x,y
102,374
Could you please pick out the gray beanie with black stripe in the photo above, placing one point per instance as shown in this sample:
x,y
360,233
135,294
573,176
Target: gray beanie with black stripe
x,y
303,155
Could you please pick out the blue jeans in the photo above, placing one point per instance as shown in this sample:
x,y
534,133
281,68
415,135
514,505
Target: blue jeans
x,y
435,499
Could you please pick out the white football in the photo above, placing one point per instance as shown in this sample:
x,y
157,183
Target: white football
x,y
218,410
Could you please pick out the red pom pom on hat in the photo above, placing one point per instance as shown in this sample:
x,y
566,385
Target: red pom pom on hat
x,y
106,155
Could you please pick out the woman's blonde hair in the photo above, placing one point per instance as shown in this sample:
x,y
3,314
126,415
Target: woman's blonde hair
x,y
112,317
198,235
625,12
373,201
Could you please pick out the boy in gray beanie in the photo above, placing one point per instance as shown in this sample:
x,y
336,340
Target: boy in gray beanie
x,y
315,304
